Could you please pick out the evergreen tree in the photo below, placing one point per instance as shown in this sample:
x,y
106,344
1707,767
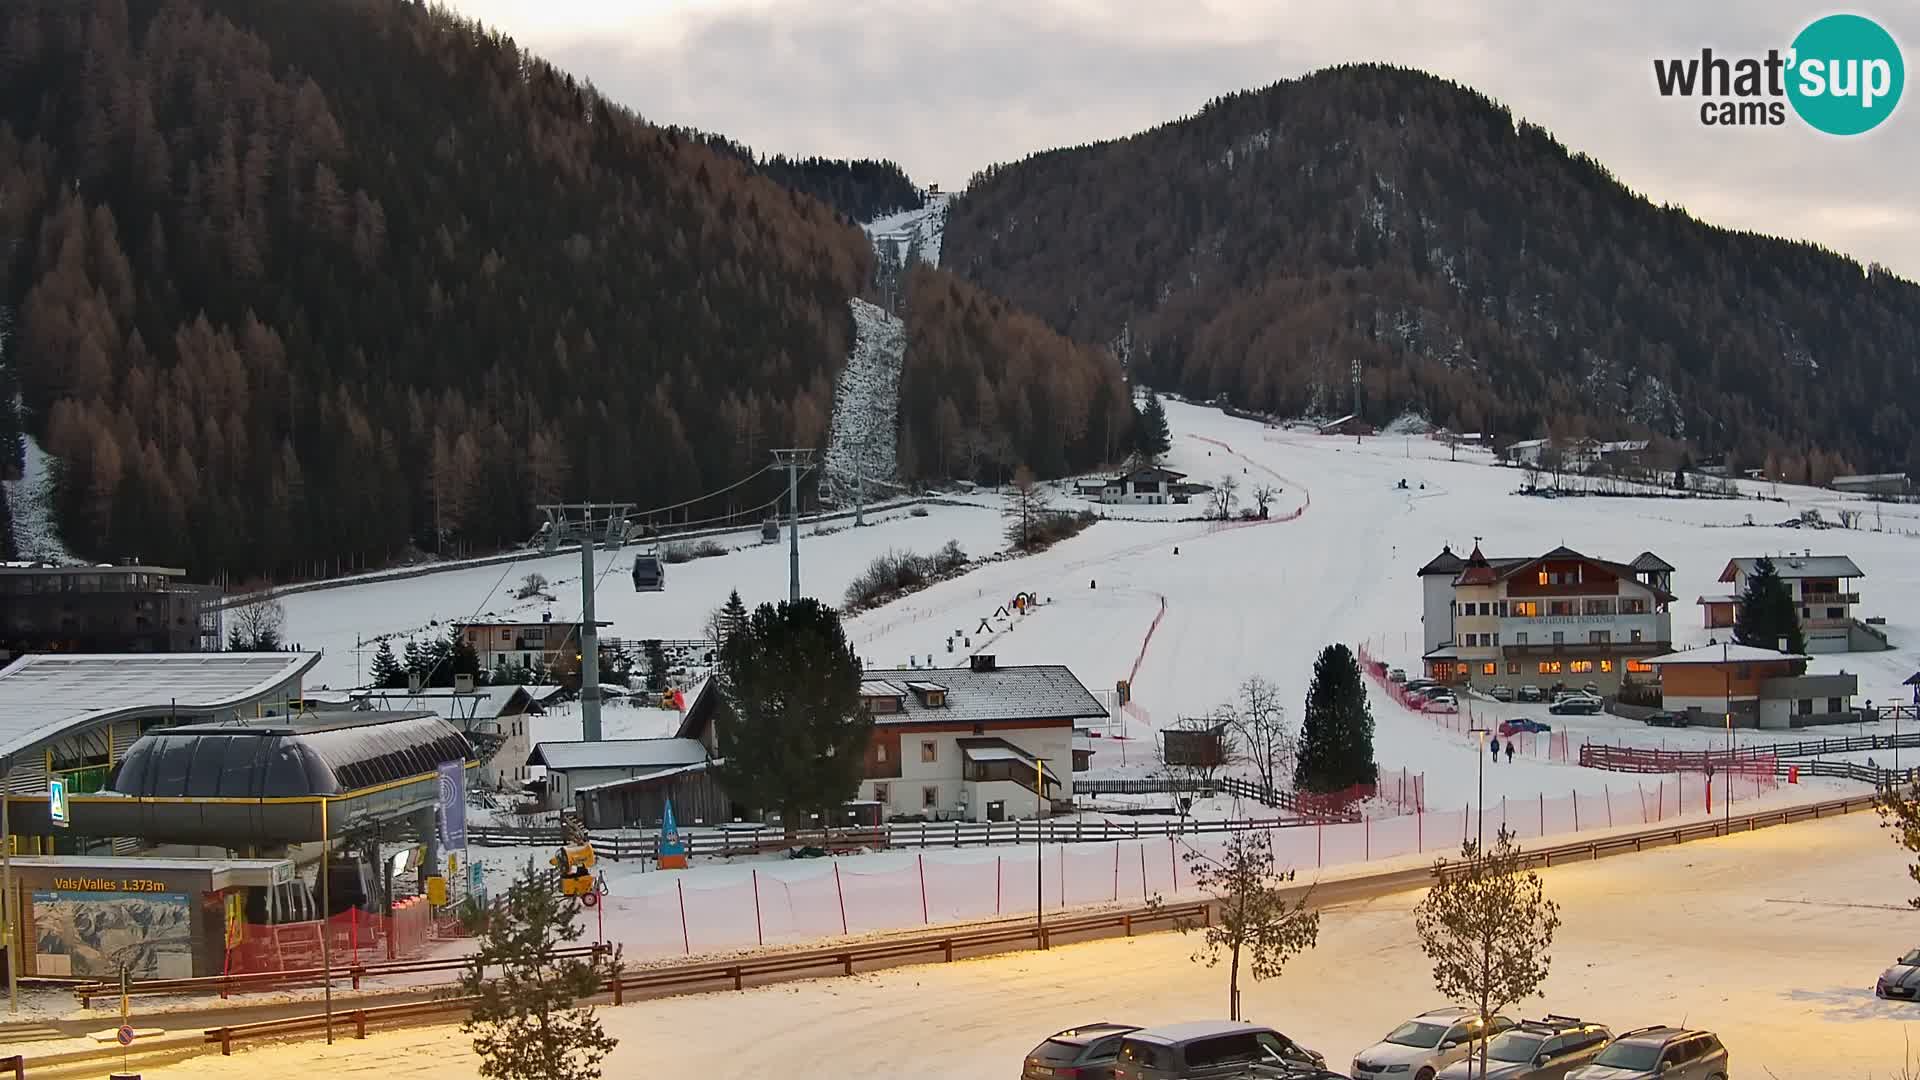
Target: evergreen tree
x,y
387,674
417,661
525,1022
462,659
794,736
733,617
235,643
1152,437
1336,736
1767,615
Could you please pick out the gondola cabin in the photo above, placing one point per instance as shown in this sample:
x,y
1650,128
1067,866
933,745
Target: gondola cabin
x,y
649,572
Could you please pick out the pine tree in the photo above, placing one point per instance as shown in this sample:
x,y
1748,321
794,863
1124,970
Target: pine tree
x,y
1767,615
794,736
733,617
525,1022
417,660
387,674
1336,736
462,659
1152,437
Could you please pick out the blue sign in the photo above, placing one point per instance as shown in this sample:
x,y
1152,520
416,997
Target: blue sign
x,y
57,801
453,806
670,842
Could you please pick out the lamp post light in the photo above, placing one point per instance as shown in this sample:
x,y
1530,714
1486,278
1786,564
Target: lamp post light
x,y
1480,808
1913,681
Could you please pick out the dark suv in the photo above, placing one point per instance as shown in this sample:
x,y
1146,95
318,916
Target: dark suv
x,y
1213,1050
1669,1053
1080,1053
1546,1049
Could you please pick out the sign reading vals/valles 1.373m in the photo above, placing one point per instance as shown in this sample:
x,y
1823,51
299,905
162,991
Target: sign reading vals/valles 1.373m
x,y
94,884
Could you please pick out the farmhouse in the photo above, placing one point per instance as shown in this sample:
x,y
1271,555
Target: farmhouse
x,y
1822,587
1752,687
1152,484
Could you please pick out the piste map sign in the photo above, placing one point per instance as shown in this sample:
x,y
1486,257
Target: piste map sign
x,y
57,802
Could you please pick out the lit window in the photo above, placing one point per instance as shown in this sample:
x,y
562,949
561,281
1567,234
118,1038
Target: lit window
x,y
929,751
1581,667
1543,577
1639,666
1606,665
880,752
1549,667
1488,669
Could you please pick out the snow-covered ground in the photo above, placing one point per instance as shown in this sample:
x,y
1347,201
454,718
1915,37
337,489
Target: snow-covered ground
x,y
1244,600
35,535
913,233
866,404
1771,939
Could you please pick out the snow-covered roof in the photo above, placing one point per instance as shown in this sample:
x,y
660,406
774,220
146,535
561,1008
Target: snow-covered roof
x,y
1444,563
990,749
645,777
1037,692
1444,652
1526,444
618,754
1647,560
1871,478
1724,654
1721,599
1796,566
880,688
47,696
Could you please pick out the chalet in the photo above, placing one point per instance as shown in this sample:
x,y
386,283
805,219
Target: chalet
x,y
1742,686
1152,484
1350,424
1544,619
1526,452
1822,587
545,643
970,743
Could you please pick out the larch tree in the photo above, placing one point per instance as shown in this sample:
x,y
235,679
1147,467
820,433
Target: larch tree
x,y
1258,915
1025,508
1488,927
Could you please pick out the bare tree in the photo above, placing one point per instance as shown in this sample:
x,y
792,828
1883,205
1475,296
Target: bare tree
x,y
1530,469
532,585
1849,519
1026,506
1487,926
1899,811
1263,496
1225,494
1259,721
1255,913
258,626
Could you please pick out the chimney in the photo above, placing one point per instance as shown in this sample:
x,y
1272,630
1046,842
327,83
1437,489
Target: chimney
x,y
983,662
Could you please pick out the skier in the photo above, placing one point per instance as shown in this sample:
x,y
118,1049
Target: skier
x,y
1496,749
1510,743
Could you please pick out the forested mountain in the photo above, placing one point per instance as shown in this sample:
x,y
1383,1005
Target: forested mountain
x,y
297,283
1474,270
863,189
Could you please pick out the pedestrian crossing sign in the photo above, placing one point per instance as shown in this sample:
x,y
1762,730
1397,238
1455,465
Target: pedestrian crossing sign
x,y
57,801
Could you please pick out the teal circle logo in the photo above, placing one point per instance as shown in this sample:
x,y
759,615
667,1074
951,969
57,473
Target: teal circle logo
x,y
1846,74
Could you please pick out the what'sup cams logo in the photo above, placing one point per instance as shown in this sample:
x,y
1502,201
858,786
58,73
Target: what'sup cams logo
x,y
1842,75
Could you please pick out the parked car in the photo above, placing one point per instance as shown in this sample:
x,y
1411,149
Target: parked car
x,y
1501,692
1520,724
1536,1050
1440,705
1669,1053
1397,675
1415,699
1902,980
1210,1050
1424,1045
1576,704
1667,719
1078,1053
1528,693
1592,688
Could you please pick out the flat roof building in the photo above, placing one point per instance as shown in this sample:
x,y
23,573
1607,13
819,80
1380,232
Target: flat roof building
x,y
106,608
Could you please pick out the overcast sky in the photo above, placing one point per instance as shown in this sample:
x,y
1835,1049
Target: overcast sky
x,y
947,87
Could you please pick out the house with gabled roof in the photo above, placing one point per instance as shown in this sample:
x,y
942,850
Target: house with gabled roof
x,y
1824,596
1150,484
1562,617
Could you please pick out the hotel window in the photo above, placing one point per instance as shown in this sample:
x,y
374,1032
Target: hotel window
x,y
1496,640
1633,605
1560,607
1500,608
1462,670
1549,667
1559,637
1599,607
1526,609
1544,576
1488,669
1639,667
1520,638
1606,665
880,755
1513,667
1580,667
929,751
1636,636
506,635
1599,637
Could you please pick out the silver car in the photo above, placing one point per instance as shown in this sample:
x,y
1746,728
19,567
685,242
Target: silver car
x,y
1902,980
1536,1050
1421,1047
1665,1052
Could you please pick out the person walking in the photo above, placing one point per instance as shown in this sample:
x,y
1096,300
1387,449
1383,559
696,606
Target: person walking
x,y
1496,749
1510,743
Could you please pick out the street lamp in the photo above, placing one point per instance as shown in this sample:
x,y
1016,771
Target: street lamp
x,y
1913,681
1039,852
1480,808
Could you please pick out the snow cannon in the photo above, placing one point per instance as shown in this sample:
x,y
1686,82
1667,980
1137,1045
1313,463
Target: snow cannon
x,y
576,870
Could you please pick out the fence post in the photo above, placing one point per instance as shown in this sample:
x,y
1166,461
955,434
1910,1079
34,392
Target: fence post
x,y
1543,813
686,941
996,884
837,891
1143,872
921,860
1366,827
1061,873
1173,863
759,932
1575,796
1419,831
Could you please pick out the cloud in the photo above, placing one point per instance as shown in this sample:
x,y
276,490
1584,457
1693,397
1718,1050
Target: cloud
x,y
947,87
